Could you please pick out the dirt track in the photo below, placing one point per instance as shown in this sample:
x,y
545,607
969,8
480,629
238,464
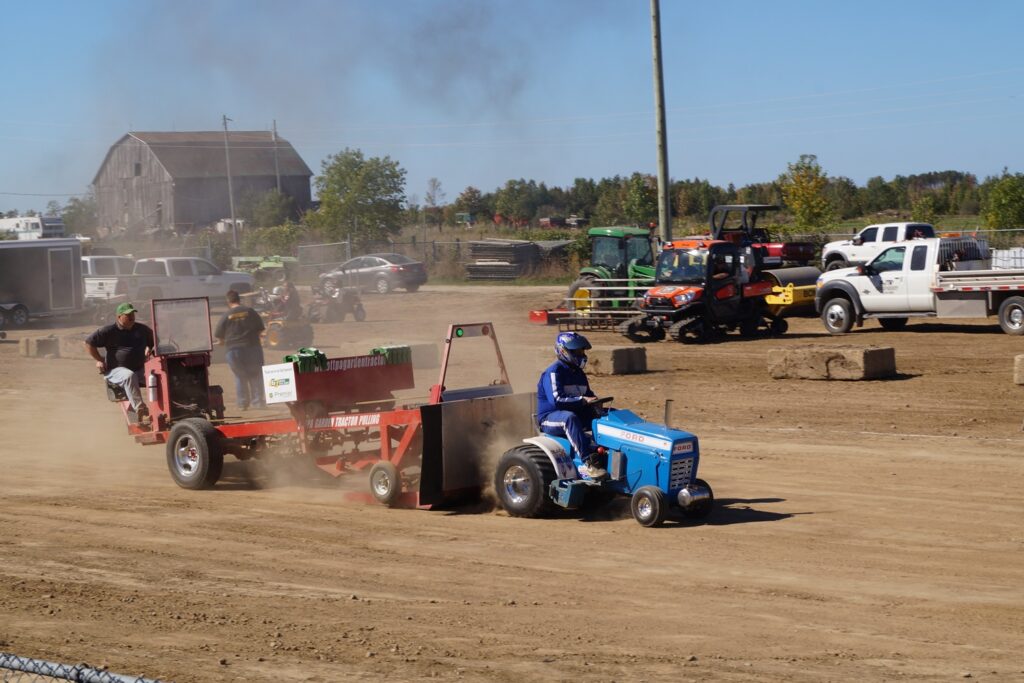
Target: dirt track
x,y
865,531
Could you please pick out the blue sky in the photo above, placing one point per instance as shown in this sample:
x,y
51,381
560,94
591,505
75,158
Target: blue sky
x,y
477,92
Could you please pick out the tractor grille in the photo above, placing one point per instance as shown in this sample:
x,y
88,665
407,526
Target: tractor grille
x,y
681,473
657,302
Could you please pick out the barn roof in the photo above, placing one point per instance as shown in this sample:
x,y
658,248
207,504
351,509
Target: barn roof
x,y
200,154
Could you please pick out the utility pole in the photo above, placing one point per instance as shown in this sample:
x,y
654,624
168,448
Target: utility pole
x,y
231,194
664,201
277,170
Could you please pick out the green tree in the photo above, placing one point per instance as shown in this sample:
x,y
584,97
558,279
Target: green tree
x,y
1005,202
842,193
803,187
924,210
81,215
265,209
434,202
359,197
640,203
471,201
273,240
517,201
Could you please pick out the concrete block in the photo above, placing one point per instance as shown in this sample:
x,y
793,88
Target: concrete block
x,y
39,347
832,362
626,360
1018,369
73,346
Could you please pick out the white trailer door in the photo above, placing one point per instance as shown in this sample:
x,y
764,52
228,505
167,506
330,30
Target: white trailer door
x,y
62,279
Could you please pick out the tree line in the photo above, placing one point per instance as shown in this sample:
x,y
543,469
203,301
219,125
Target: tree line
x,y
365,199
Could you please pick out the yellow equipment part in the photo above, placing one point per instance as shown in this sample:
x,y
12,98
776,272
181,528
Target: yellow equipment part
x,y
793,290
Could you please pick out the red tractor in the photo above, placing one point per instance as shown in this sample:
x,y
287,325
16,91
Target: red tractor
x,y
704,288
342,412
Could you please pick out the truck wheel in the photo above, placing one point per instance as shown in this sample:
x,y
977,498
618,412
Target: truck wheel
x,y
837,316
359,313
836,265
18,316
522,481
648,506
195,454
703,508
385,482
1011,315
892,324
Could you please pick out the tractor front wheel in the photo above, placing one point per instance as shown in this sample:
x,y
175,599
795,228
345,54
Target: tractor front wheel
x,y
274,337
522,481
359,313
195,454
703,508
648,506
385,482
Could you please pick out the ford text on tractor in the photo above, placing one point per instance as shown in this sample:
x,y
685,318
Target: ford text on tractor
x,y
653,464
704,288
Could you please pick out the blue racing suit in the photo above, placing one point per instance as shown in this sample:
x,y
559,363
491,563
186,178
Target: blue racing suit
x,y
561,408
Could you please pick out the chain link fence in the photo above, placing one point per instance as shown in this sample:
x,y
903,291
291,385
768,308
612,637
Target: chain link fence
x,y
15,669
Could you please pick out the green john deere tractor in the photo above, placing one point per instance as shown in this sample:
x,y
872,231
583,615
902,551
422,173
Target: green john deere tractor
x,y
621,266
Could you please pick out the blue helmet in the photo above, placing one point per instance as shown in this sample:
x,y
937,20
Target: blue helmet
x,y
571,347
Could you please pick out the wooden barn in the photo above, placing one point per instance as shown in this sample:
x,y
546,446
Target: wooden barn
x,y
179,181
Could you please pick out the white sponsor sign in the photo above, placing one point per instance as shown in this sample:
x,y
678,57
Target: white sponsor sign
x,y
279,383
651,441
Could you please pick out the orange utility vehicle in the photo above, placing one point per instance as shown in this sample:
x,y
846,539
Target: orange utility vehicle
x,y
704,288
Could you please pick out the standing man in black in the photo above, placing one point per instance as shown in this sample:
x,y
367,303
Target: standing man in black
x,y
127,345
240,330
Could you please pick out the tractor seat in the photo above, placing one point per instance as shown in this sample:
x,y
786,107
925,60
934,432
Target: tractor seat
x,y
115,392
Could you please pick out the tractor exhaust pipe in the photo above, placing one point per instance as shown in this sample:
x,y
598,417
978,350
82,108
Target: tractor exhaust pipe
x,y
668,413
692,494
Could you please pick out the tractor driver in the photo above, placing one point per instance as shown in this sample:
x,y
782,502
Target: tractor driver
x,y
565,400
127,345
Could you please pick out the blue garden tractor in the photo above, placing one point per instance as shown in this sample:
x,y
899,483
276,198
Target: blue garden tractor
x,y
654,464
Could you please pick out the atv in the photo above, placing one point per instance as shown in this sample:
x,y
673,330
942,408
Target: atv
x,y
703,289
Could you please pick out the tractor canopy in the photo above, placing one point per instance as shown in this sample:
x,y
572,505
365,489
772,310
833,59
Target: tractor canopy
x,y
182,326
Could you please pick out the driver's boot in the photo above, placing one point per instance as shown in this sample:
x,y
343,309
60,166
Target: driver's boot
x,y
590,469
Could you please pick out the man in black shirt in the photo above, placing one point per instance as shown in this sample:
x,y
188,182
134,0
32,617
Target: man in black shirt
x,y
240,330
127,345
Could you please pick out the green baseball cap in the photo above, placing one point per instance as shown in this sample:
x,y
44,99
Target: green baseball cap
x,y
124,308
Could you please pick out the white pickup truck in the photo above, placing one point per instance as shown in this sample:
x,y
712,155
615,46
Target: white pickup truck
x,y
869,243
100,275
175,277
923,278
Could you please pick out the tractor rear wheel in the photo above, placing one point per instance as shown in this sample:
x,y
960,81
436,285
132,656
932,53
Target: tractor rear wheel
x,y
522,481
359,313
195,454
703,508
385,482
586,282
648,506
